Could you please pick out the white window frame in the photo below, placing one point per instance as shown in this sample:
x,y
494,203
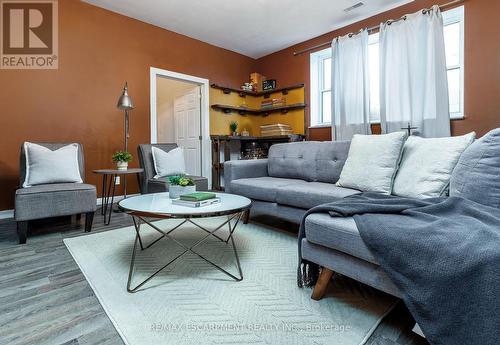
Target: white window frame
x,y
453,16
317,82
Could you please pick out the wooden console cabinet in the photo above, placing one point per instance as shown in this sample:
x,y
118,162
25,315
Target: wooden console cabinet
x,y
250,148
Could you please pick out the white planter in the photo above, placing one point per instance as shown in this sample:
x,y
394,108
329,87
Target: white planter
x,y
122,165
176,191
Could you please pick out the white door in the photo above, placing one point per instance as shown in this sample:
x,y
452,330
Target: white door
x,y
187,128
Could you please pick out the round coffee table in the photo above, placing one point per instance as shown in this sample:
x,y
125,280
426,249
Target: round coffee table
x,y
159,206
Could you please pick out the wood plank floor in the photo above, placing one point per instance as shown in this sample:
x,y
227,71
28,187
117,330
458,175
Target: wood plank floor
x,y
45,299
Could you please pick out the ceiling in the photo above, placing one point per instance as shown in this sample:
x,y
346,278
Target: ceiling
x,y
253,28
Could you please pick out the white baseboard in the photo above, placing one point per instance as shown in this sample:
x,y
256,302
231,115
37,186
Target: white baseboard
x,y
6,214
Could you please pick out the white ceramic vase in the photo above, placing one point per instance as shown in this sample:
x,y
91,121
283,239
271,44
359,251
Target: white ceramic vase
x,y
176,191
122,165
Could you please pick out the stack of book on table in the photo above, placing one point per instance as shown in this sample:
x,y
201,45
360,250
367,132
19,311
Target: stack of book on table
x,y
275,129
272,102
197,199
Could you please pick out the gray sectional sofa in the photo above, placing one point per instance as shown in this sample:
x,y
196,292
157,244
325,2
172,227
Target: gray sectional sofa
x,y
295,178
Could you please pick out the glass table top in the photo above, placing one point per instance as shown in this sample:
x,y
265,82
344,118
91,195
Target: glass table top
x,y
161,204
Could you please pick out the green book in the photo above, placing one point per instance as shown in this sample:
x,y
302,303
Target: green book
x,y
198,196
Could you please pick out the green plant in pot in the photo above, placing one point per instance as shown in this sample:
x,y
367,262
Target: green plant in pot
x,y
122,158
179,185
233,127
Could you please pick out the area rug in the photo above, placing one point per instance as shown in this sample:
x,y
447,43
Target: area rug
x,y
194,303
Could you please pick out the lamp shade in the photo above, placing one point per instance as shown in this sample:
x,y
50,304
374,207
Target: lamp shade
x,y
125,102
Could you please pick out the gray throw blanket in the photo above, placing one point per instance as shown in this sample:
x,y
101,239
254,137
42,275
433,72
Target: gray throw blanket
x,y
442,254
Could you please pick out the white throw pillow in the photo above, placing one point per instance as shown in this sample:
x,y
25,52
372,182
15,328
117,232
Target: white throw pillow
x,y
46,166
372,162
427,164
168,163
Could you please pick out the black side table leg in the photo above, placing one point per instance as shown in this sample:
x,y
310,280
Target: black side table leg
x,y
112,181
103,194
106,197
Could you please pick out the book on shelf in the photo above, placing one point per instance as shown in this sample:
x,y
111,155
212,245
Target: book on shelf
x,y
275,130
274,102
195,204
275,126
197,196
275,133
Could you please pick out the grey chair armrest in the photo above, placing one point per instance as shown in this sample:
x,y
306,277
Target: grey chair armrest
x,y
234,170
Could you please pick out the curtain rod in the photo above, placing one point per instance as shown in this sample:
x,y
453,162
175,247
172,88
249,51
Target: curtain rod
x,y
371,28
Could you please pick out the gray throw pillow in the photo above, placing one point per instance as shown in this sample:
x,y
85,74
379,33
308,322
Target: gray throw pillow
x,y
45,166
168,163
477,174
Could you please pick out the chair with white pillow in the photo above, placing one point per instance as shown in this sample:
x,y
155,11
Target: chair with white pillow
x,y
153,181
51,177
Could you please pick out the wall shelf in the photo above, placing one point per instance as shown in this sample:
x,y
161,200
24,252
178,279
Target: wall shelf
x,y
252,111
266,94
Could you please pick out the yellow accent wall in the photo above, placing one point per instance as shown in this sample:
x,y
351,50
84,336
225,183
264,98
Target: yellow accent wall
x,y
219,121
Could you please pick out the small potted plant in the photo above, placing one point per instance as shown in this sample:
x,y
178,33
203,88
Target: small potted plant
x,y
122,158
179,185
233,126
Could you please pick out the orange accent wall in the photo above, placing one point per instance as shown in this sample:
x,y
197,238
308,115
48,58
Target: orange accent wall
x,y
99,50
481,63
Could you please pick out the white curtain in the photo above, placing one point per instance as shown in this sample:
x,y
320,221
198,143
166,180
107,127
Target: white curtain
x,y
413,81
350,86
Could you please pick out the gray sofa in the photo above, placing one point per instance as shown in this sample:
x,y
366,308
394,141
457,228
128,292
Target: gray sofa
x,y
147,182
53,200
295,178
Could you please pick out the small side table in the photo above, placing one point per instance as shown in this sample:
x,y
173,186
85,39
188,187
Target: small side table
x,y
109,187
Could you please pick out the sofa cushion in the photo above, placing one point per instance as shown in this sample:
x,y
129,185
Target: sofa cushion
x,y
427,164
477,175
309,161
311,194
340,233
372,162
262,188
53,200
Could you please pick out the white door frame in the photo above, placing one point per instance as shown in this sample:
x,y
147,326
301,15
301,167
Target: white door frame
x,y
206,160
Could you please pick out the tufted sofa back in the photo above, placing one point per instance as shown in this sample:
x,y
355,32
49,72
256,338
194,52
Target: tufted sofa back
x,y
308,160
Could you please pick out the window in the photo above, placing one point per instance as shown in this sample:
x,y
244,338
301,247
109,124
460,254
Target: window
x,y
321,92
321,83
454,43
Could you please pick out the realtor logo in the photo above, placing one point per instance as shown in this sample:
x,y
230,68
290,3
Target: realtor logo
x,y
29,34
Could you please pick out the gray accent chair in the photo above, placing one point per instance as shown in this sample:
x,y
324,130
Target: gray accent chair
x,y
53,200
149,184
295,178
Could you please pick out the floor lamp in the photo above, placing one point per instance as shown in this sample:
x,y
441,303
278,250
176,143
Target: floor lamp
x,y
125,103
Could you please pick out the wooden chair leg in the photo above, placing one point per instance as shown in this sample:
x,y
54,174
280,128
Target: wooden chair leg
x,y
22,231
89,219
322,284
